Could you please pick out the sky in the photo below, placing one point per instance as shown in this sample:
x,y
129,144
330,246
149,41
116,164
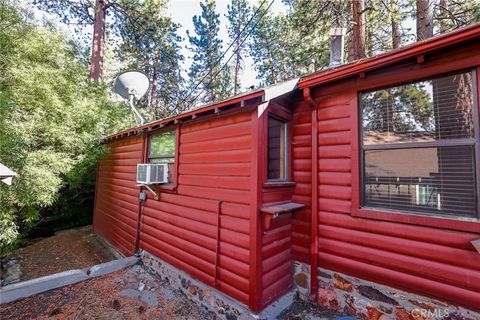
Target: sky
x,y
182,12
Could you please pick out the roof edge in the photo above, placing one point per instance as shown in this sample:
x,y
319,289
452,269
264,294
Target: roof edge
x,y
445,40
216,106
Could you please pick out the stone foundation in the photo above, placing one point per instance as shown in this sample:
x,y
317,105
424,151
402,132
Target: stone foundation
x,y
371,301
211,299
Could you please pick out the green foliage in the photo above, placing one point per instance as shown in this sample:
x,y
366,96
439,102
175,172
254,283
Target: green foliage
x,y
238,16
206,69
162,144
150,43
450,15
51,122
400,109
268,48
288,46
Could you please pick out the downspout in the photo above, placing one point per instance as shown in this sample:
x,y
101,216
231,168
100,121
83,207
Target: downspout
x,y
314,204
217,246
140,202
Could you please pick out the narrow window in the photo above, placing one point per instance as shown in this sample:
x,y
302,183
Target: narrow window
x,y
419,145
162,150
277,149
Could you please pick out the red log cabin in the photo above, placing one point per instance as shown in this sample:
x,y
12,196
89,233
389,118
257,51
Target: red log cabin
x,y
383,212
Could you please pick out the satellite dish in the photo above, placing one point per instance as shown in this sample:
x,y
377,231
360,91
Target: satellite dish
x,y
130,85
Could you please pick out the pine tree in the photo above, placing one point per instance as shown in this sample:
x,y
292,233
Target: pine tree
x,y
208,80
309,24
81,13
357,43
268,47
238,17
151,44
450,15
424,19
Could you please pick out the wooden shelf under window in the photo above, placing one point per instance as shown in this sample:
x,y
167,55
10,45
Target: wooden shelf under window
x,y
275,211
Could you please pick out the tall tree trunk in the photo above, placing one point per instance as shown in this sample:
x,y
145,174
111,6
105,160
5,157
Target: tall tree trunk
x,y
358,31
236,84
394,18
424,19
98,43
153,91
211,82
443,16
238,57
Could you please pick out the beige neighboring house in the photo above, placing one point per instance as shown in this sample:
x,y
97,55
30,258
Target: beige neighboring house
x,y
6,174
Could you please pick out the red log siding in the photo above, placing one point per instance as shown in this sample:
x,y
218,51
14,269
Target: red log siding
x,y
116,201
181,228
276,254
276,260
302,175
427,260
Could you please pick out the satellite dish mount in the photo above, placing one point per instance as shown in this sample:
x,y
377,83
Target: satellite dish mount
x,y
132,85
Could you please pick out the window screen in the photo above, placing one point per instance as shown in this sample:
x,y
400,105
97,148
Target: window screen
x,y
162,150
277,149
419,146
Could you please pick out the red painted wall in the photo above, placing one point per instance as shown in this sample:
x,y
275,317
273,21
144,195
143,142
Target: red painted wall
x,y
432,261
181,228
116,199
214,187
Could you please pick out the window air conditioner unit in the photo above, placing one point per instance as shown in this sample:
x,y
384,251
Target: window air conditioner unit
x,y
152,173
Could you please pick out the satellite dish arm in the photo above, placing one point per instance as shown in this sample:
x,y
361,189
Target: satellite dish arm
x,y
130,102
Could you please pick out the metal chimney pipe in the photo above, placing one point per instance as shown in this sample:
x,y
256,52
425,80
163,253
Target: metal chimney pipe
x,y
337,43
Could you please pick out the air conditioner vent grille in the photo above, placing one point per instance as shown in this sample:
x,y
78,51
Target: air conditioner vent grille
x,y
152,173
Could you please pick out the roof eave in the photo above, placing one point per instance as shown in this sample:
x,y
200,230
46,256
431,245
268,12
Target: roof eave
x,y
433,44
217,106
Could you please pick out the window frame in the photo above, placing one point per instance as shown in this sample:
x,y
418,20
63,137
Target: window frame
x,y
171,186
462,223
280,112
286,168
149,158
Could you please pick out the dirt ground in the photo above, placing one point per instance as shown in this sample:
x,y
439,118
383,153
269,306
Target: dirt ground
x,y
69,249
128,294
301,310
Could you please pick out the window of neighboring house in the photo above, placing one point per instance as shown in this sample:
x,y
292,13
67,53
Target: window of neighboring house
x,y
420,145
162,150
277,149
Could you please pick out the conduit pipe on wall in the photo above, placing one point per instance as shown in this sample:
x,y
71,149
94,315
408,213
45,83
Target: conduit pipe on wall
x,y
314,198
217,247
140,202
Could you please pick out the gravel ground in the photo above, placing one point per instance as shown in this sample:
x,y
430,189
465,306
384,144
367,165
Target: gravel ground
x,y
69,249
301,310
128,294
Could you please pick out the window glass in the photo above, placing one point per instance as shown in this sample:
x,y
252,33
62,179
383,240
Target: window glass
x,y
277,149
418,147
162,145
438,179
429,110
162,150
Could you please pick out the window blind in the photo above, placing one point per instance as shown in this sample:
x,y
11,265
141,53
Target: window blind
x,y
418,146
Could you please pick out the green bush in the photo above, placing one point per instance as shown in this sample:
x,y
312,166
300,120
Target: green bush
x,y
52,120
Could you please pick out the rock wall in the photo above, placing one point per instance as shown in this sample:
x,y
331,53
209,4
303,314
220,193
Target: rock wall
x,y
371,301
208,297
